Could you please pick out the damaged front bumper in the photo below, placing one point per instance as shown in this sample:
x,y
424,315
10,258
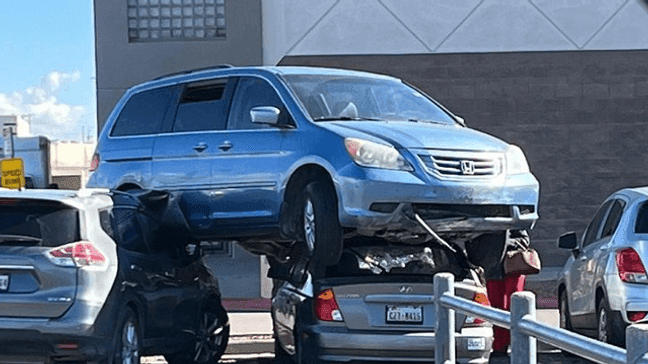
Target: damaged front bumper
x,y
383,202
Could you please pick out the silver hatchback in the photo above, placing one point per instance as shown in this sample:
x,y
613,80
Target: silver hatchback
x,y
604,285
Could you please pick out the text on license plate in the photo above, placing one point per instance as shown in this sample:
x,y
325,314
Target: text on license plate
x,y
4,282
476,343
404,314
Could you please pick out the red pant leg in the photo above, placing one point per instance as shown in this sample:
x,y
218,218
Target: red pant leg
x,y
499,294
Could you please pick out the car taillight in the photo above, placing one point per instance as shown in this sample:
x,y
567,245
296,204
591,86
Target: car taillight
x,y
95,162
476,321
636,316
79,254
630,267
326,308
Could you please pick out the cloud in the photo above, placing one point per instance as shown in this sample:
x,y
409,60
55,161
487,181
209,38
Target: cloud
x,y
48,115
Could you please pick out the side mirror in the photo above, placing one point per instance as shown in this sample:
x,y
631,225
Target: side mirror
x,y
268,115
568,241
460,120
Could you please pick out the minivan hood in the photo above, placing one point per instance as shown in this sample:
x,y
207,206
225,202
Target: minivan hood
x,y
419,135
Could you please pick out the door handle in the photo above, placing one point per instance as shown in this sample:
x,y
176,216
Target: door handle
x,y
225,146
200,147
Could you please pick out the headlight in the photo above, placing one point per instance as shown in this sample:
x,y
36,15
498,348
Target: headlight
x,y
516,162
374,155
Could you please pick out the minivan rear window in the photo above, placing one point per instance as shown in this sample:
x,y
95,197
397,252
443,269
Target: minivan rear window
x,y
37,223
143,113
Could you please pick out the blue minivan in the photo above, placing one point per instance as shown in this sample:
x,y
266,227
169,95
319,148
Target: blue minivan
x,y
279,157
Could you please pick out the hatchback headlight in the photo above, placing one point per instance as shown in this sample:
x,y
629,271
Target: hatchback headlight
x,y
374,155
516,162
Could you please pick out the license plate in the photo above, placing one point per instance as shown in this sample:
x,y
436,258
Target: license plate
x,y
477,344
402,314
4,282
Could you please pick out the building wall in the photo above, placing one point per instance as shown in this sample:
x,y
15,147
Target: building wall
x,y
121,64
348,27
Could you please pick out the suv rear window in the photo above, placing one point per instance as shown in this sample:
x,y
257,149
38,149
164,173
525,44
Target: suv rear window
x,y
641,226
37,223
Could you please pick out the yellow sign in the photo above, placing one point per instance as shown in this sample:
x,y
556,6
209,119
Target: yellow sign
x,y
13,173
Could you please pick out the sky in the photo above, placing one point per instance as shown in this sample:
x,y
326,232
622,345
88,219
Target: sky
x,y
47,66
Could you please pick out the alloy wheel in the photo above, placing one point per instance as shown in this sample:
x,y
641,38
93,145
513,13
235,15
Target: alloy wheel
x,y
602,325
130,344
309,225
209,339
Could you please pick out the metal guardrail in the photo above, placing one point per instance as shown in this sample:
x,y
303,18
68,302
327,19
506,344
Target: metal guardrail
x,y
525,330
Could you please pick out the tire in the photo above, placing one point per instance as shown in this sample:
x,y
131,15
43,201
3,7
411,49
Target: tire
x,y
321,232
281,356
563,310
211,340
127,340
607,330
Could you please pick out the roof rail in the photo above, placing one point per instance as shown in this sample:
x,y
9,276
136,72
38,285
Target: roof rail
x,y
186,72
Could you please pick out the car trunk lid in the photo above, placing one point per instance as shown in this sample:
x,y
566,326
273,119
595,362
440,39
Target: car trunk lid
x,y
390,288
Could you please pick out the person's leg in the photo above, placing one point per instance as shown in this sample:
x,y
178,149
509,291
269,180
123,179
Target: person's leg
x,y
510,285
496,290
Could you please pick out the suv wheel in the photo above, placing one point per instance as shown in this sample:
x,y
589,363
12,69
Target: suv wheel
x,y
321,231
211,340
609,331
563,309
127,341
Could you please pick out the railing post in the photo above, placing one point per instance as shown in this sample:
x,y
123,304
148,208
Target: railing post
x,y
523,347
636,342
444,350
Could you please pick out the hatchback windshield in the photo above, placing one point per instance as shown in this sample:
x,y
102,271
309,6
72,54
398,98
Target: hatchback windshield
x,y
329,97
37,223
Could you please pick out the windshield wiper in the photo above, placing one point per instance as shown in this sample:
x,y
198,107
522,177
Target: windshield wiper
x,y
427,121
346,118
19,239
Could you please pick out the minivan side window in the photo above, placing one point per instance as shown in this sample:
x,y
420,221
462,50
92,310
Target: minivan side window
x,y
595,226
203,106
143,113
252,92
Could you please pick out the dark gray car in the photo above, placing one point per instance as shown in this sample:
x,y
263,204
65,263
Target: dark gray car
x,y
108,277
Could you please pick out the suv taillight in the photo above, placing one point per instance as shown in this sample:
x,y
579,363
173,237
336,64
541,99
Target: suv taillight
x,y
630,267
476,321
79,254
95,162
326,308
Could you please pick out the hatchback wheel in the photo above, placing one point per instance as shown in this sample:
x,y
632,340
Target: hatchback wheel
x,y
127,342
211,340
321,230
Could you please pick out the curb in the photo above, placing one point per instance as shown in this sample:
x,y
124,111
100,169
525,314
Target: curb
x,y
247,344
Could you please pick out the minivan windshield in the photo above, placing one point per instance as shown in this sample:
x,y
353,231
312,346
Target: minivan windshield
x,y
335,97
37,223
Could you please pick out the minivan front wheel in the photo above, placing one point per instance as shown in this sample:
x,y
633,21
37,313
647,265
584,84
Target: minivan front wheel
x,y
321,232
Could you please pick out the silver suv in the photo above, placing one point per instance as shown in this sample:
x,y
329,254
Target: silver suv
x,y
604,285
274,155
101,277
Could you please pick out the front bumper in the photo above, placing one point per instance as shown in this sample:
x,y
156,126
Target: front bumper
x,y
334,344
501,203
